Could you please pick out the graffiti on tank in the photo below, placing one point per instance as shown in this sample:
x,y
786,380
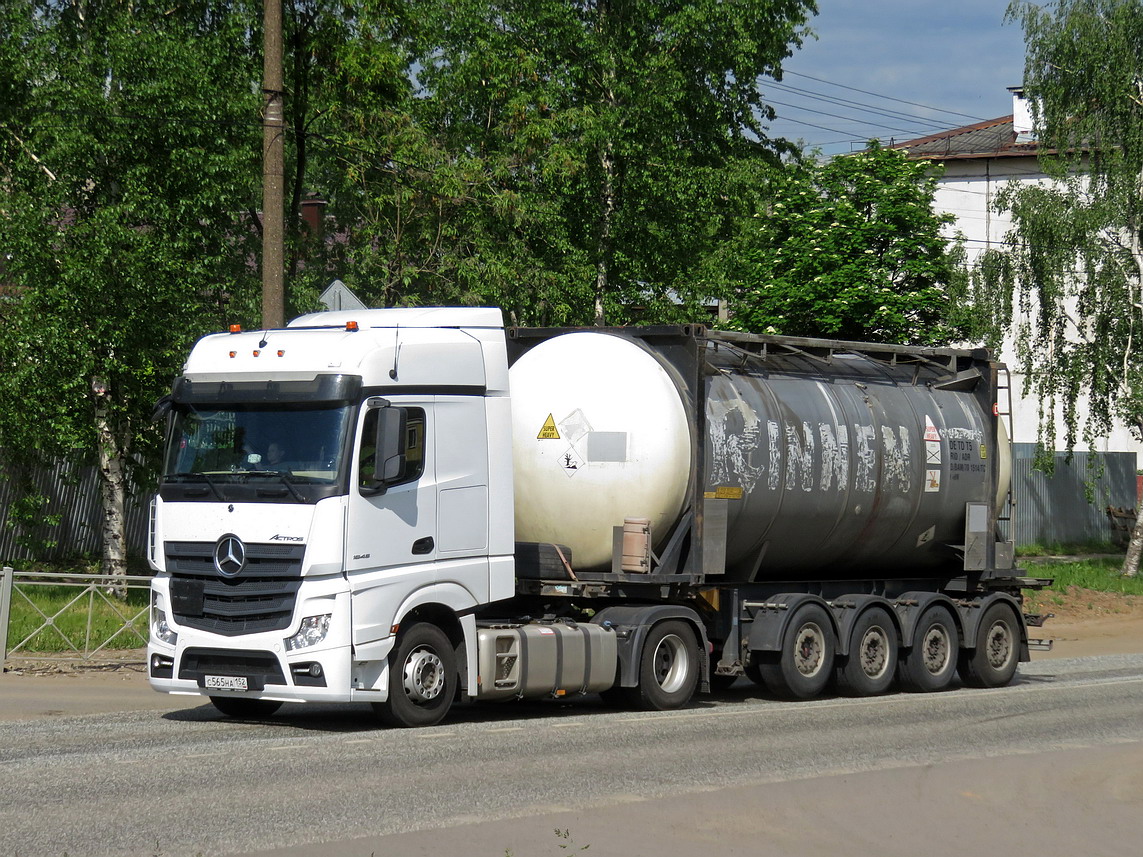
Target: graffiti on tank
x,y
865,480
799,457
775,455
734,431
825,457
896,458
835,456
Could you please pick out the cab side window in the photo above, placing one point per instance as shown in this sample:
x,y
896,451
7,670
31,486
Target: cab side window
x,y
414,448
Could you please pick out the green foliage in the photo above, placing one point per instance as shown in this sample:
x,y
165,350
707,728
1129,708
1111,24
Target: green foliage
x,y
128,153
848,249
610,134
26,516
1074,267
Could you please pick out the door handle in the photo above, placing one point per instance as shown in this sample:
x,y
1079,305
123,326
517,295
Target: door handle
x,y
423,546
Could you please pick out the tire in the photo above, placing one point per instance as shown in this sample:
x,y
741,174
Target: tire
x,y
804,665
871,665
753,669
422,678
931,661
993,662
668,668
245,709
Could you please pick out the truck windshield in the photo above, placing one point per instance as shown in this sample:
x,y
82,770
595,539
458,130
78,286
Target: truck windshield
x,y
291,445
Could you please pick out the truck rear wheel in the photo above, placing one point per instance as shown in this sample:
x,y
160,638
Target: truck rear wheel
x,y
804,664
422,678
668,668
872,661
931,661
994,660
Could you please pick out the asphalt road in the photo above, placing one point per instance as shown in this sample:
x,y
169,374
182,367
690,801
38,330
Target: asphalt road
x,y
1051,765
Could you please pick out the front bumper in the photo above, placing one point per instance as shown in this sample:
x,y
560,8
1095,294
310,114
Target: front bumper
x,y
259,666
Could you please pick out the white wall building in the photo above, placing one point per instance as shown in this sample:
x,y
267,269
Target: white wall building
x,y
979,160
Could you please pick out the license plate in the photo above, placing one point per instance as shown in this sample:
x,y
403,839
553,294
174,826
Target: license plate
x,y
225,682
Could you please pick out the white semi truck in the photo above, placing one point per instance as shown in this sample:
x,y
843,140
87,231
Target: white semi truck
x,y
411,507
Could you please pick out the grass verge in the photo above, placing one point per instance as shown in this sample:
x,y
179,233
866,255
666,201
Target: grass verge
x,y
62,618
1101,574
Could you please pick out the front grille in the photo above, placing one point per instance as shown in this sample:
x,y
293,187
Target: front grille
x,y
259,668
259,598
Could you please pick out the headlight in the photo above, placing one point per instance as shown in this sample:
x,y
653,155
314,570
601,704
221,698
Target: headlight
x,y
160,630
312,632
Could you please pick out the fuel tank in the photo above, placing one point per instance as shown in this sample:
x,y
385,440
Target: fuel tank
x,y
823,458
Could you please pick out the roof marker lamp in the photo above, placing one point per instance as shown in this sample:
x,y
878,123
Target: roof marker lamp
x,y
312,631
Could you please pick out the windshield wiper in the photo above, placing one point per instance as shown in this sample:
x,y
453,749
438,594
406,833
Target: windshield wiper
x,y
286,478
197,475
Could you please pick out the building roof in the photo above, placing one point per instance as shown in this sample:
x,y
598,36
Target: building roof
x,y
995,138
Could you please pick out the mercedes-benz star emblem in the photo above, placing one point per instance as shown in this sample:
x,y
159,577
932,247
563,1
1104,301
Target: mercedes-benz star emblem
x,y
229,555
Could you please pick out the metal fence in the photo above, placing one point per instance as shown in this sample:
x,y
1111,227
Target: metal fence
x,y
1069,506
70,622
72,492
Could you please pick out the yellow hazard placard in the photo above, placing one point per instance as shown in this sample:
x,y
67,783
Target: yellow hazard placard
x,y
548,431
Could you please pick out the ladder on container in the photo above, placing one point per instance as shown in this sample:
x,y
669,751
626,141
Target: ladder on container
x,y
1002,409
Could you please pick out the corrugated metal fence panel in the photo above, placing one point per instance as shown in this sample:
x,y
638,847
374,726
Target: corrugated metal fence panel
x,y
1055,509
73,492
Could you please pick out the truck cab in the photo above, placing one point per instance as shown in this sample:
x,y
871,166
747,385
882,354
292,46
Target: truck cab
x,y
324,484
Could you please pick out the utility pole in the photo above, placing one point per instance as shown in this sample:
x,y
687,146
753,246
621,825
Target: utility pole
x,y
273,132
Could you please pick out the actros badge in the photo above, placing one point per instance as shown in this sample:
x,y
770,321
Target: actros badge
x,y
229,555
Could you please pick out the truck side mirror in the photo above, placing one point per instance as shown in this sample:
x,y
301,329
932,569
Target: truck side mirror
x,y
162,408
389,449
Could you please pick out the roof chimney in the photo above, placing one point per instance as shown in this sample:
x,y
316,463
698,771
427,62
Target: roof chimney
x,y
1021,116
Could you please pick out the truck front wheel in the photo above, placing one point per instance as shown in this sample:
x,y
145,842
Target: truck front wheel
x,y
422,678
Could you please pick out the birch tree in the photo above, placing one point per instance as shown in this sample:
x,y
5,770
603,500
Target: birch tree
x,y
127,154
1075,263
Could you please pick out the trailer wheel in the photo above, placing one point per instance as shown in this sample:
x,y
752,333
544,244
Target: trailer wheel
x,y
668,668
243,708
994,660
872,660
804,664
931,661
422,678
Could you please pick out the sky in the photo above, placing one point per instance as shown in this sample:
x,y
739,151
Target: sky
x,y
951,61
